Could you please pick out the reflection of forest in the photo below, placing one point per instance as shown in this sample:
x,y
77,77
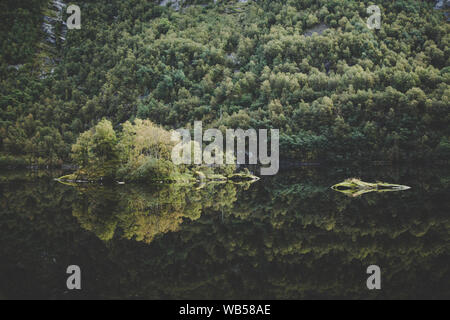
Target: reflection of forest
x,y
142,213
289,236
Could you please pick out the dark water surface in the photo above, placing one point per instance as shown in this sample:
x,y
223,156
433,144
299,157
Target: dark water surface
x,y
284,237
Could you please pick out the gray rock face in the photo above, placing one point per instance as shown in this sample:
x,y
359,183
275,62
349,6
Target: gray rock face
x,y
59,5
439,5
54,28
175,4
51,20
319,29
15,66
442,4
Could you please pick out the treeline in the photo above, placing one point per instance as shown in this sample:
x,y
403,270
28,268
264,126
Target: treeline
x,y
349,93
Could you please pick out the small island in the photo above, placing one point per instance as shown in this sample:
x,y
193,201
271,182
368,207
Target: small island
x,y
355,187
140,152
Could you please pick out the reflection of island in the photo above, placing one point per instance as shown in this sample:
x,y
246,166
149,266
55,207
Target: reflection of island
x,y
142,213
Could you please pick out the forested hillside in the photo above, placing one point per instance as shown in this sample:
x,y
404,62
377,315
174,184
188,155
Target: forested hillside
x,y
348,93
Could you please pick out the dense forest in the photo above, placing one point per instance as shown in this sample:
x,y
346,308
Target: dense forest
x,y
344,92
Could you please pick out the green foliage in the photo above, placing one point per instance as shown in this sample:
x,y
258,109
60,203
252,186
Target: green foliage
x,y
153,169
142,152
96,151
444,148
349,93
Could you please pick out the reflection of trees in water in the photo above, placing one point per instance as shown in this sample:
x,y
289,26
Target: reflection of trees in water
x,y
286,237
142,213
293,238
317,234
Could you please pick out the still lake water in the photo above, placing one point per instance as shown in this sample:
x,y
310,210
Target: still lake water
x,y
284,237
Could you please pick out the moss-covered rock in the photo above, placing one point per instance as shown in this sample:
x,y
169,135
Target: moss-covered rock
x,y
355,187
